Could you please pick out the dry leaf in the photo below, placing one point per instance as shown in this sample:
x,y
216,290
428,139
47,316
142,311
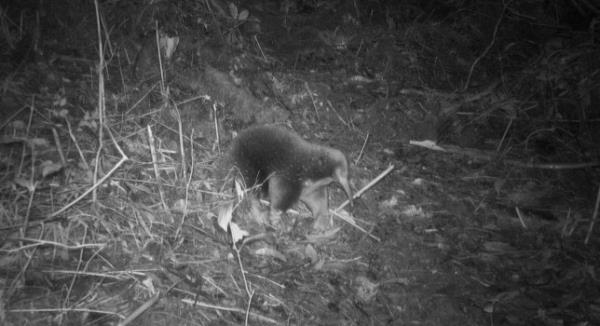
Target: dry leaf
x,y
311,253
18,124
319,265
239,190
268,251
179,206
413,211
498,184
243,15
392,202
169,45
49,167
149,285
321,237
365,289
38,142
233,10
25,183
237,233
225,215
497,246
417,182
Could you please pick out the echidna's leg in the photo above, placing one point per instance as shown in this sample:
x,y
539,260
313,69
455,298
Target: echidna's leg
x,y
282,195
318,203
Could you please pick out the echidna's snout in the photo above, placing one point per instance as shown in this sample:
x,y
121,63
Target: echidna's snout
x,y
341,175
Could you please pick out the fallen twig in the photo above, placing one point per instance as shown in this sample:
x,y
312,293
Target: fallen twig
x,y
312,99
367,187
594,217
362,149
482,155
97,184
487,49
231,309
140,309
357,195
101,99
155,165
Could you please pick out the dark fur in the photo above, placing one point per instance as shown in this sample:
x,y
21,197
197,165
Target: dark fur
x,y
273,157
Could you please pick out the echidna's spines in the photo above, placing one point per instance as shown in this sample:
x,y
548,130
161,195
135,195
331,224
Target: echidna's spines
x,y
288,167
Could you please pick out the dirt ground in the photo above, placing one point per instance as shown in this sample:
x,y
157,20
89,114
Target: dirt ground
x,y
471,130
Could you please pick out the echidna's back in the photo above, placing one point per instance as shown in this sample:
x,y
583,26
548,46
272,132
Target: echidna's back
x,y
260,151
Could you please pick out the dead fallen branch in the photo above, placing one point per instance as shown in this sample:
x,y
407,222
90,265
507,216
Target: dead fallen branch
x,y
490,156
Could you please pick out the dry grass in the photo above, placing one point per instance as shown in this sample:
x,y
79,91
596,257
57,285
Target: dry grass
x,y
110,187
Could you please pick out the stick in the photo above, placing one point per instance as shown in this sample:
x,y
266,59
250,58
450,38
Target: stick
x,y
594,217
312,99
487,49
63,161
216,121
140,309
160,66
101,99
520,215
260,48
7,121
353,223
98,183
81,156
261,318
155,165
483,155
181,147
362,150
357,195
367,187
187,185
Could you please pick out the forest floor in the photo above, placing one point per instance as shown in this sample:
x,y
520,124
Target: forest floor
x,y
479,130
